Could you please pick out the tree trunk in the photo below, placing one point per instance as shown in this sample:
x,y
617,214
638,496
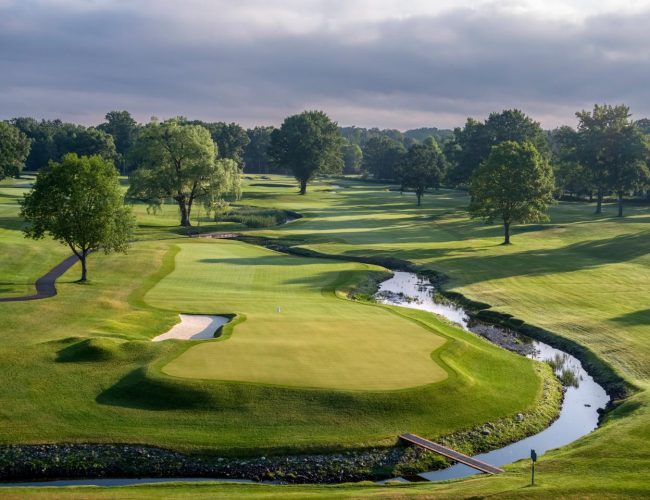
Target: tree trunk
x,y
599,203
419,195
303,186
620,203
84,270
506,232
185,215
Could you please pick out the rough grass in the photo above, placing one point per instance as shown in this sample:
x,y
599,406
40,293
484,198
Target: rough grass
x,y
585,277
79,367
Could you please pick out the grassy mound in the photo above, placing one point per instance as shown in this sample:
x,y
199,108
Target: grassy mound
x,y
91,350
103,349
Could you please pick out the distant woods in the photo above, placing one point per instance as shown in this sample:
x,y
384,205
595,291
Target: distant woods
x,y
605,156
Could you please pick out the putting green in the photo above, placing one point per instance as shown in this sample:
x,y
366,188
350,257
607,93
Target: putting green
x,y
297,332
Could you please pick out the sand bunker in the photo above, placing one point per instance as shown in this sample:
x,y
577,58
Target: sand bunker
x,y
194,327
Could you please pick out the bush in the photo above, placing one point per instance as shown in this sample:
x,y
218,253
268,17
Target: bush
x,y
253,217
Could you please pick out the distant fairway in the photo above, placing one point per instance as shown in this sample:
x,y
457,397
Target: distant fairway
x,y
317,340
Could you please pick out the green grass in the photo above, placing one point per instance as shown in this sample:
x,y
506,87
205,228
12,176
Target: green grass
x,y
89,373
583,277
314,340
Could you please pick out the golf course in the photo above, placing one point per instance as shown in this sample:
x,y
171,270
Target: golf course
x,y
307,364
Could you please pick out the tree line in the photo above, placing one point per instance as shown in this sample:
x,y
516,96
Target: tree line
x,y
511,167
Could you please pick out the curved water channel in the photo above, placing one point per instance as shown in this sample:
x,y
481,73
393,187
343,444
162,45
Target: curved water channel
x,y
578,415
582,400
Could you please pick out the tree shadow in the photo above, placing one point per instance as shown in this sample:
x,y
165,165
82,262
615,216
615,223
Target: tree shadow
x,y
635,318
536,262
139,391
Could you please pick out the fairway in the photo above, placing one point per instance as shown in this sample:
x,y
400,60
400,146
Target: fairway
x,y
297,332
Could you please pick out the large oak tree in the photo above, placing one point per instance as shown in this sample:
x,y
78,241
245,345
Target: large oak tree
x,y
179,161
307,143
79,202
613,151
515,184
422,168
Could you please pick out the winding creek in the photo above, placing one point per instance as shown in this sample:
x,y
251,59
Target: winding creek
x,y
578,416
582,400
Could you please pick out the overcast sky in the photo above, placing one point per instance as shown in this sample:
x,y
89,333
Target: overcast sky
x,y
385,63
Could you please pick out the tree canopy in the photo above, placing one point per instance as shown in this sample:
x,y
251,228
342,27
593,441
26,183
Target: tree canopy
x,y
53,139
231,139
473,143
352,157
78,202
422,168
613,150
179,161
382,157
121,126
307,143
14,148
256,153
514,184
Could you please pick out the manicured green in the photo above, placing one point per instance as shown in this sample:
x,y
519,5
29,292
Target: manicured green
x,y
90,373
582,276
297,332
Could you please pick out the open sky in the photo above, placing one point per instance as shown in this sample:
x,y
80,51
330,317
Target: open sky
x,y
386,63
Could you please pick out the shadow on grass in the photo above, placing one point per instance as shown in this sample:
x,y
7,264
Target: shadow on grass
x,y
140,391
634,318
536,262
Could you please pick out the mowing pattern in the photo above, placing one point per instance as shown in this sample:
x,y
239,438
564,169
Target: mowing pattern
x,y
297,332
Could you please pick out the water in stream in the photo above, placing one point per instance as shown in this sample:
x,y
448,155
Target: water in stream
x,y
582,399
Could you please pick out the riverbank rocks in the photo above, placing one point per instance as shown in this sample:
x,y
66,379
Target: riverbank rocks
x,y
70,461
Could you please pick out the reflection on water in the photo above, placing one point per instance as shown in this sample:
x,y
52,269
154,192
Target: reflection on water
x,y
582,399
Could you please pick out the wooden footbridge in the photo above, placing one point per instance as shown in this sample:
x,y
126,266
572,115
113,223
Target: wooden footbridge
x,y
449,453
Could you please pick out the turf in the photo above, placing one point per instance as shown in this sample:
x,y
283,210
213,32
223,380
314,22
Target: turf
x,y
80,367
583,276
297,332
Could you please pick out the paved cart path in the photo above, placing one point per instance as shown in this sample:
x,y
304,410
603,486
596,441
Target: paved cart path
x,y
45,285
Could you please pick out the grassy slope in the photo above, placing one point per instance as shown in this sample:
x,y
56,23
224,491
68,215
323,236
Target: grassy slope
x,y
585,280
89,373
21,261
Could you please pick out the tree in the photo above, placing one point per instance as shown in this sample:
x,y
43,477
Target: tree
x,y
382,157
613,150
256,153
307,143
628,165
644,125
79,202
570,175
41,135
180,161
231,139
51,140
121,126
352,157
14,148
474,142
423,167
83,141
514,184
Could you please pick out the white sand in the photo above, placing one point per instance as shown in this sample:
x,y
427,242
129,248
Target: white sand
x,y
194,327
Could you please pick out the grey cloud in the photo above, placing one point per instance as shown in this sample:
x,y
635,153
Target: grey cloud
x,y
422,71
